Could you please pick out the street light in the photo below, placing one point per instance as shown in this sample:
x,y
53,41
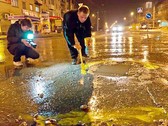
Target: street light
x,y
106,25
93,15
80,4
132,13
113,24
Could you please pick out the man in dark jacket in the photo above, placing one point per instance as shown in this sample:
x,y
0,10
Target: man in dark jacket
x,y
77,23
17,44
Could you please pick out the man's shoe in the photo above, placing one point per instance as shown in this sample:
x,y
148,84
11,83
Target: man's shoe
x,y
19,63
74,61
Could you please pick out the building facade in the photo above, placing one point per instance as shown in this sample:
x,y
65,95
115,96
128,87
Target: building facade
x,y
162,13
46,15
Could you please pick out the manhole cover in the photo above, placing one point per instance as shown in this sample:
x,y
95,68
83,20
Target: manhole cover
x,y
109,70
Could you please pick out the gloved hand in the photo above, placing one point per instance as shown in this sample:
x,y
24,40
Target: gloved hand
x,y
88,41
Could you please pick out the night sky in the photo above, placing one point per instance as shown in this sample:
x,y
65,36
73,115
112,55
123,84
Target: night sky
x,y
114,9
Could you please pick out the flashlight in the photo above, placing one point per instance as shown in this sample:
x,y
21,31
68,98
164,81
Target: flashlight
x,y
30,38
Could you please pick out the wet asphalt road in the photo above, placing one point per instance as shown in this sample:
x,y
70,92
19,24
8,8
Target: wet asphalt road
x,y
126,83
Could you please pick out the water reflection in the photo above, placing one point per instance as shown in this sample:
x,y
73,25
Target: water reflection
x,y
157,38
117,33
52,49
39,87
117,44
93,47
93,103
127,46
45,49
130,40
2,51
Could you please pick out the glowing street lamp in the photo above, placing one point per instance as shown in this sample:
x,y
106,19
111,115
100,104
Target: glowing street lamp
x,y
132,14
93,15
106,25
80,4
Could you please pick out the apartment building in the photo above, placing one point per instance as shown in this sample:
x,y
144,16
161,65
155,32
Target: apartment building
x,y
162,13
45,14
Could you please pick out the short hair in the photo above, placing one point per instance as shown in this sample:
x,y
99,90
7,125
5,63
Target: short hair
x,y
85,9
26,22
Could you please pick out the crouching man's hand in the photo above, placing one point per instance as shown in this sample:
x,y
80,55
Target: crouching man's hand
x,y
26,43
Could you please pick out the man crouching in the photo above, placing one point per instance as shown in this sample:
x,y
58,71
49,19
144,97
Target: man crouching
x,y
17,44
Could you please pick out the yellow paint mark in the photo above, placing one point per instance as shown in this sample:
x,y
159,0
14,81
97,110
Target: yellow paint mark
x,y
123,116
150,66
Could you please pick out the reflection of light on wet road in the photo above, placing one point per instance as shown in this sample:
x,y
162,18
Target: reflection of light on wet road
x,y
117,33
52,49
113,78
145,53
93,103
146,36
106,39
93,46
2,49
93,33
38,87
96,110
38,84
42,82
121,59
157,38
130,39
117,44
44,47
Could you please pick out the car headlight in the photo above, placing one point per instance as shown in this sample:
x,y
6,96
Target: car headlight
x,y
114,28
120,28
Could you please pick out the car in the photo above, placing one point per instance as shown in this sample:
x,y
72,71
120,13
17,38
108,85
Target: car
x,y
117,28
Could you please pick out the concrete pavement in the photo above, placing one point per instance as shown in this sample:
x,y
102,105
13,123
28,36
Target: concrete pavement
x,y
126,84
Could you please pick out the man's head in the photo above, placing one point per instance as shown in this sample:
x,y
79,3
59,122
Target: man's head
x,y
83,13
26,24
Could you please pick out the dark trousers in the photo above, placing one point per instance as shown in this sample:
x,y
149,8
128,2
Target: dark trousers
x,y
20,49
73,51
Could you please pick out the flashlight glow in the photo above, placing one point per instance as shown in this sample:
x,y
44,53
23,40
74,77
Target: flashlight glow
x,y
30,36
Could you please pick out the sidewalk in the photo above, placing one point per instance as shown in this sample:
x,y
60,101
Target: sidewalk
x,y
41,35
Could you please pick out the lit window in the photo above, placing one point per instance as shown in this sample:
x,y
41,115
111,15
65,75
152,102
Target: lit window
x,y
31,7
14,3
37,9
